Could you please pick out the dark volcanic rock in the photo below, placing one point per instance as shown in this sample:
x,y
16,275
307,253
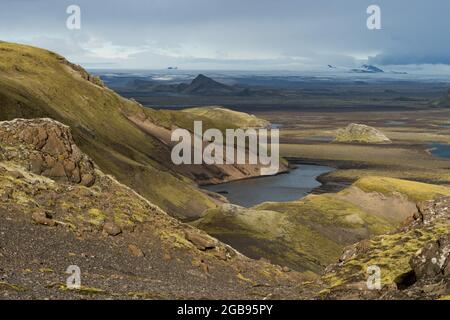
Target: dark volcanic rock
x,y
433,259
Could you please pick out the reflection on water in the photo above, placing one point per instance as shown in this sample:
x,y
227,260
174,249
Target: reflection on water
x,y
283,187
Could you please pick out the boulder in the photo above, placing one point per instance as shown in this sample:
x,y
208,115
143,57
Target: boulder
x,y
112,229
135,251
49,150
43,217
202,242
433,259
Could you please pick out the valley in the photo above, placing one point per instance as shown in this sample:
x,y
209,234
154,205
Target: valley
x,y
86,177
363,190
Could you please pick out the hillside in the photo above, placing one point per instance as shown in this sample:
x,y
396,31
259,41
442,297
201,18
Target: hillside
x,y
239,119
124,139
310,233
128,248
444,101
52,216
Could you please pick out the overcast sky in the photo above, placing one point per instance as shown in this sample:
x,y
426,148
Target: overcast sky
x,y
235,34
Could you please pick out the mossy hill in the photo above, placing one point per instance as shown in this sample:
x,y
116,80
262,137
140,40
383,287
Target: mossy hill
x,y
124,138
360,133
239,119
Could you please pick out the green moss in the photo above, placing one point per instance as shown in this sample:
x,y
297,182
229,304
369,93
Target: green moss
x,y
226,118
241,277
176,239
327,210
9,286
138,216
390,252
82,290
415,191
145,296
361,134
306,234
94,217
122,219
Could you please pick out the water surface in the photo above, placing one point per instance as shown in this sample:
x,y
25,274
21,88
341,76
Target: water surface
x,y
395,122
440,149
283,187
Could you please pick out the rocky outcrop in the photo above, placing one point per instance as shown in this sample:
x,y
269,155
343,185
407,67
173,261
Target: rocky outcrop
x,y
201,241
361,133
46,148
83,73
413,262
432,261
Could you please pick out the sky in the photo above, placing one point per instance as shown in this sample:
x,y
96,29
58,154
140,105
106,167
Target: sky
x,y
236,34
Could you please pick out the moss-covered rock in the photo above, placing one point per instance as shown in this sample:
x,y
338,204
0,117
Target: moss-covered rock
x,y
361,133
401,257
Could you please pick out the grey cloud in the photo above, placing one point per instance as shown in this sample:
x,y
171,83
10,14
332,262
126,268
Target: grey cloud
x,y
236,32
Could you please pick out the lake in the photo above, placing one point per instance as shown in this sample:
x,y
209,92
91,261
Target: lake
x,y
439,149
283,187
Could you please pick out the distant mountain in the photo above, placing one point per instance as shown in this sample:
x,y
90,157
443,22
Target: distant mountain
x,y
201,85
205,85
367,68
